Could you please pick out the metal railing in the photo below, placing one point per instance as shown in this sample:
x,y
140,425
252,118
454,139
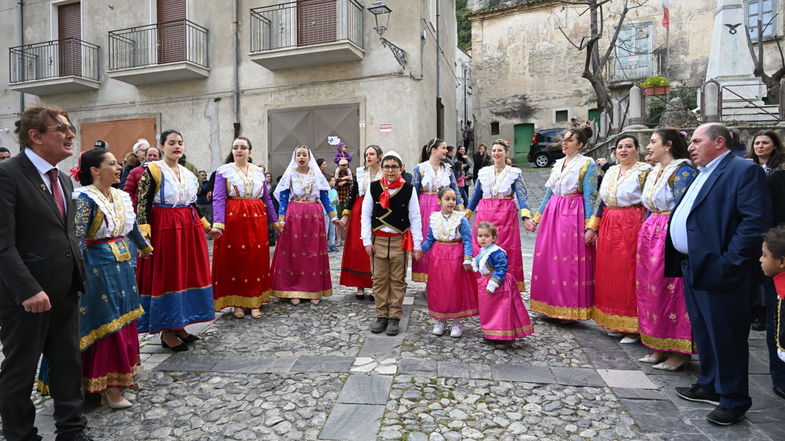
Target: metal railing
x,y
53,59
306,23
160,43
756,110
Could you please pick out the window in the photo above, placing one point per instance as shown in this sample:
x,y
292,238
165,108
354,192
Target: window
x,y
561,116
495,128
764,11
633,54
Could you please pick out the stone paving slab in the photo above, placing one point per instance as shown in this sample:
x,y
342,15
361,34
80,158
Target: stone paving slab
x,y
366,389
353,422
517,372
577,376
626,378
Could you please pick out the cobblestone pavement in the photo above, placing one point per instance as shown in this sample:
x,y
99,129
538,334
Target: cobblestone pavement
x,y
314,372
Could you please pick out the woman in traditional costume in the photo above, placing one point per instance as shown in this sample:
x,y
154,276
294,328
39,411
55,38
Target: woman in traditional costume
x,y
174,283
356,265
662,313
500,198
301,267
109,307
241,251
622,215
562,284
429,176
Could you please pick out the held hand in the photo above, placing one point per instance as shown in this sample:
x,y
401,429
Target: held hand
x,y
215,233
529,225
278,228
344,222
369,250
417,254
37,303
468,268
487,292
147,254
336,222
590,236
209,196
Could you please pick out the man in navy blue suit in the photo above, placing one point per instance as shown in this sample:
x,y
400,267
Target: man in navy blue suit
x,y
714,241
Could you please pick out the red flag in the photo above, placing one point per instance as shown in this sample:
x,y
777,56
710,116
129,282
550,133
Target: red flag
x,y
666,15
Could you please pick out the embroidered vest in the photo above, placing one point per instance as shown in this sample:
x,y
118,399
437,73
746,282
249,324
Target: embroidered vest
x,y
397,217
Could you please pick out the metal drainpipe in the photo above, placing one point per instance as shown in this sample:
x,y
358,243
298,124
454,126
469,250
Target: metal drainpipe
x,y
21,21
438,68
236,69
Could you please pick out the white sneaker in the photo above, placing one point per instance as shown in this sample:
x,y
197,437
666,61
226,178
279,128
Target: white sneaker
x,y
438,328
456,330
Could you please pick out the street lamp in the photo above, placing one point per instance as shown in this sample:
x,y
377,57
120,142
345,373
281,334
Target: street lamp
x,y
381,12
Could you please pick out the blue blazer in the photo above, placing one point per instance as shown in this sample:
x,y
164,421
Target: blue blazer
x,y
725,228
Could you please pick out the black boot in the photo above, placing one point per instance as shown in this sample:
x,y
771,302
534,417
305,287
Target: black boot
x,y
379,325
392,326
758,318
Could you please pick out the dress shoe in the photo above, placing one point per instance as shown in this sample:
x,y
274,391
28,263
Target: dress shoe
x,y
722,416
379,325
190,338
182,347
392,327
295,301
359,297
653,360
630,339
615,334
779,390
256,313
667,367
121,404
238,313
314,301
371,297
698,394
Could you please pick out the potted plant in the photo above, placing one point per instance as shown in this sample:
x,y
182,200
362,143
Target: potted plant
x,y
656,85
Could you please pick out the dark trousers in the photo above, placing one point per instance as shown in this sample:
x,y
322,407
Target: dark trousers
x,y
776,366
25,336
720,326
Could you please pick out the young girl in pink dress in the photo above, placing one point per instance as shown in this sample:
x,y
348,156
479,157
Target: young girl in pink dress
x,y
452,293
502,313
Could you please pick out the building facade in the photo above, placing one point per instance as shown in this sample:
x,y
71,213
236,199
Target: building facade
x,y
280,73
528,74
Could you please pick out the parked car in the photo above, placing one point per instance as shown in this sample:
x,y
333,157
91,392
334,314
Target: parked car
x,y
546,147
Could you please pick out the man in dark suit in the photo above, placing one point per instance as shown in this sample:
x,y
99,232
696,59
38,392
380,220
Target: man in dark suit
x,y
41,274
714,241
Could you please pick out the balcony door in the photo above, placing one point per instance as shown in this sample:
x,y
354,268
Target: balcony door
x,y
69,34
316,21
171,31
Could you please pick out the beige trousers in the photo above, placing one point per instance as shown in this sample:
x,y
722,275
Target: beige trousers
x,y
389,276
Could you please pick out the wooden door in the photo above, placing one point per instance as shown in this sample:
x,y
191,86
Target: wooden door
x,y
69,34
172,40
316,22
120,134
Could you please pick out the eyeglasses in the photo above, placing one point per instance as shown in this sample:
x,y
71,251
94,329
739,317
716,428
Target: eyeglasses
x,y
240,147
391,167
64,128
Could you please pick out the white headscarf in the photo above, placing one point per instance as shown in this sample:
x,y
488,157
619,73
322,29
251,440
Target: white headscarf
x,y
319,183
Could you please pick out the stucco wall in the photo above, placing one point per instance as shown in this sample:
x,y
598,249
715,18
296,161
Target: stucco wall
x,y
202,109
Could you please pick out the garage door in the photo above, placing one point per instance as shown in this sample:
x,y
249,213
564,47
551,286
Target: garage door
x,y
120,134
311,126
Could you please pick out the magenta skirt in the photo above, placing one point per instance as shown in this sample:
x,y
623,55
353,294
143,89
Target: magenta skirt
x,y
429,203
503,214
662,314
301,267
502,314
452,291
563,267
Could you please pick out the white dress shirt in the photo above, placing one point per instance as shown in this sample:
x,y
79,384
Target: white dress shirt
x,y
43,168
415,224
678,228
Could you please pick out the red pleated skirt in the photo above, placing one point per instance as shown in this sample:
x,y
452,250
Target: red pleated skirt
x,y
355,264
615,300
452,291
241,257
